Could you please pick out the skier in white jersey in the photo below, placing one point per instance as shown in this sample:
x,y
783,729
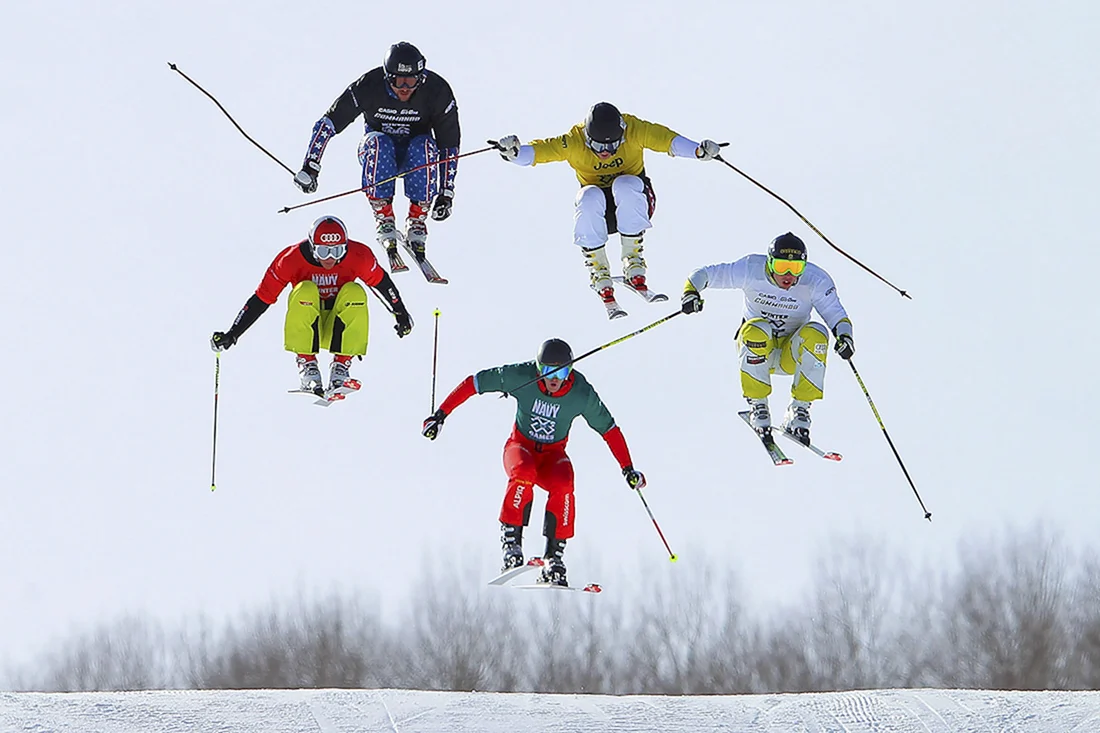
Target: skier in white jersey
x,y
781,289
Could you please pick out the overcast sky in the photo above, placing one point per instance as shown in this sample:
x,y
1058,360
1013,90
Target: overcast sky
x,y
952,147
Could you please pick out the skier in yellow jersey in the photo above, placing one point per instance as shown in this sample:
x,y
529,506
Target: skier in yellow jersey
x,y
607,153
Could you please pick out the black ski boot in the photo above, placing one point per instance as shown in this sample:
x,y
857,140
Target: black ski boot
x,y
511,540
553,572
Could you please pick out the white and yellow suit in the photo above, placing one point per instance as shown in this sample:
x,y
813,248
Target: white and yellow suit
x,y
777,333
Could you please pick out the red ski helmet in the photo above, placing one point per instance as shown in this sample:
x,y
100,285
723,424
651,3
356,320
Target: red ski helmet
x,y
328,238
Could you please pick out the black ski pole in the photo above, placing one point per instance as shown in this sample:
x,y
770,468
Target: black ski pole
x,y
214,450
671,555
927,514
285,209
176,69
811,226
435,352
608,345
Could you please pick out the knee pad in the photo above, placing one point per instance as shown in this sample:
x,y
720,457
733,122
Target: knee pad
x,y
756,335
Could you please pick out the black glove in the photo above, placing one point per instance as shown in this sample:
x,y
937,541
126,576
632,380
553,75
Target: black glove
x,y
404,324
433,424
221,341
845,347
691,302
635,479
306,179
441,209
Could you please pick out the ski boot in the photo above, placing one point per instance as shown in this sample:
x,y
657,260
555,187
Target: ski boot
x,y
760,417
416,228
310,374
386,231
797,421
339,372
633,262
511,540
599,274
553,572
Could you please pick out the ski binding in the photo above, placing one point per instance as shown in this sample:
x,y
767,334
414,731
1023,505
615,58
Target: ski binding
x,y
774,452
429,272
327,397
650,296
396,263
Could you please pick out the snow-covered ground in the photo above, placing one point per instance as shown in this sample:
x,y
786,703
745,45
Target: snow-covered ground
x,y
405,711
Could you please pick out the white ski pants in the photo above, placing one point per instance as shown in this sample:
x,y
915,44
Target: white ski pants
x,y
590,214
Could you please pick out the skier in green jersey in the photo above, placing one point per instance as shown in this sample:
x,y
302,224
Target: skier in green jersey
x,y
549,395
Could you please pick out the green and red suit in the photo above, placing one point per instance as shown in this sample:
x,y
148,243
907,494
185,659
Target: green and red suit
x,y
535,452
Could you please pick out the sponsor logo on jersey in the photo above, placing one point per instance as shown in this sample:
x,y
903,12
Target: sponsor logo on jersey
x,y
543,429
545,409
605,164
322,279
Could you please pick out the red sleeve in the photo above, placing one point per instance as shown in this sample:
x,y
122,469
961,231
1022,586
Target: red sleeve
x,y
460,394
277,276
617,443
367,270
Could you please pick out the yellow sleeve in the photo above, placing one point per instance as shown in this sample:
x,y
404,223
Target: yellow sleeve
x,y
569,146
651,136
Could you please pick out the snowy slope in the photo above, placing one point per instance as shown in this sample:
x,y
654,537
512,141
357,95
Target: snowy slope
x,y
402,711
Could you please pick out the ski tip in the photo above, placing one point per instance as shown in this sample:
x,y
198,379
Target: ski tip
x,y
439,281
785,462
834,457
593,588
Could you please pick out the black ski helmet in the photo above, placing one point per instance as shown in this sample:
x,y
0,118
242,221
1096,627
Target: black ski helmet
x,y
787,247
403,59
552,353
604,124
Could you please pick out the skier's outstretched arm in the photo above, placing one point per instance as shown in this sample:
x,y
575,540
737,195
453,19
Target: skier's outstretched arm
x,y
268,292
388,291
434,423
342,112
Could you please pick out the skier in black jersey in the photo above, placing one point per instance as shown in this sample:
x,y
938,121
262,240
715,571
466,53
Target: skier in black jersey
x,y
411,118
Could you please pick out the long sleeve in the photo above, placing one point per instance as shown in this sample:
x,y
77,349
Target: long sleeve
x,y
460,394
250,313
617,443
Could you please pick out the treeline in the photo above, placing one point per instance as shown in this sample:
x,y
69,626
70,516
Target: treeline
x,y
1017,614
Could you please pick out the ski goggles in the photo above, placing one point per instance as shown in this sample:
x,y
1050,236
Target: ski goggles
x,y
329,251
555,371
598,147
405,82
787,267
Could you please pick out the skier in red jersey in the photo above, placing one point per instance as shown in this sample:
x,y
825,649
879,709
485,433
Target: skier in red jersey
x,y
327,308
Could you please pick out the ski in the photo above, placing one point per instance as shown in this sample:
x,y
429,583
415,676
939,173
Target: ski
x,y
429,272
827,455
327,397
774,452
535,563
650,296
396,263
590,588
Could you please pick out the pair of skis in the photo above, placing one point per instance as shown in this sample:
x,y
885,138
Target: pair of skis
x,y
614,310
398,265
325,397
506,579
777,455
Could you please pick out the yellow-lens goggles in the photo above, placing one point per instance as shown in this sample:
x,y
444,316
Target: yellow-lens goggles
x,y
788,267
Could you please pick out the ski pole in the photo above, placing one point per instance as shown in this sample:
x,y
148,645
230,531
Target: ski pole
x,y
671,555
435,351
608,345
927,514
285,209
214,450
817,231
176,69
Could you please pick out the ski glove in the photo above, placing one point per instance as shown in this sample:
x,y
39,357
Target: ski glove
x,y
433,424
404,324
634,479
691,302
508,147
221,341
441,209
306,179
845,347
709,150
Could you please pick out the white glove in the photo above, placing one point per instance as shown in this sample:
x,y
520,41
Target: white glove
x,y
708,150
508,147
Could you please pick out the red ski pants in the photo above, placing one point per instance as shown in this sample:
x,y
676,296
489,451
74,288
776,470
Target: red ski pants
x,y
528,464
